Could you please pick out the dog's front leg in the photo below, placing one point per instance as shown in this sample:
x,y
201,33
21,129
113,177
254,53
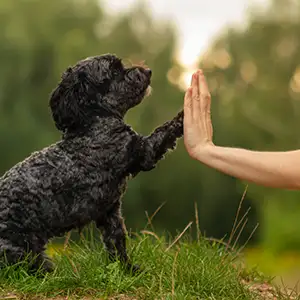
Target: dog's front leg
x,y
150,149
114,238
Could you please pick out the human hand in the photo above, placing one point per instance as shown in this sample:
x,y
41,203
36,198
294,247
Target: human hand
x,y
198,131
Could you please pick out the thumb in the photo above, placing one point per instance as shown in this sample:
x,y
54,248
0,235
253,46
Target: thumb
x,y
188,106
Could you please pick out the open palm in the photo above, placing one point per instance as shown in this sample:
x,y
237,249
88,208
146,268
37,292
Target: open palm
x,y
198,131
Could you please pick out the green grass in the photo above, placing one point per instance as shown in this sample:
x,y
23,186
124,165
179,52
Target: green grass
x,y
186,270
182,268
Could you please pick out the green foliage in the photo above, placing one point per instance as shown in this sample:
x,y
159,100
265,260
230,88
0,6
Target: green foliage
x,y
39,39
254,75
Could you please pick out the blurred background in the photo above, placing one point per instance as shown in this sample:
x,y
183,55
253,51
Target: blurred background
x,y
250,52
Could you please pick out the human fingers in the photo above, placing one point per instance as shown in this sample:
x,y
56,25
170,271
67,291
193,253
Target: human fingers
x,y
195,96
205,103
205,97
188,114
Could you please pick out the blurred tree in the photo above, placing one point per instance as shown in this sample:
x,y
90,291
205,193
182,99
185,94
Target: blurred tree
x,y
39,39
254,74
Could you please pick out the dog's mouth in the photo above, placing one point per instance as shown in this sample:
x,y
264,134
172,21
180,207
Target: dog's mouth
x,y
140,78
148,88
139,75
148,91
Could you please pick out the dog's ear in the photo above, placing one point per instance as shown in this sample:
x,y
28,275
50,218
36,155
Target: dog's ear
x,y
66,101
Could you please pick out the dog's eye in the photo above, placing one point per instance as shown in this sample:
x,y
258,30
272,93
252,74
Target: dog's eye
x,y
117,67
118,64
116,72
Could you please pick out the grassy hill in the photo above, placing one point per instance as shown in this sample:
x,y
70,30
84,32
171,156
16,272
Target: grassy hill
x,y
176,269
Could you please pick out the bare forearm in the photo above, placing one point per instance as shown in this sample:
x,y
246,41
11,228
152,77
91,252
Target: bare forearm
x,y
271,169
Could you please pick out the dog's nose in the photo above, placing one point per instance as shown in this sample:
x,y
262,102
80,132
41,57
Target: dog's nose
x,y
148,72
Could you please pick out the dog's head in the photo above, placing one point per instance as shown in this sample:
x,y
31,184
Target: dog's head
x,y
97,86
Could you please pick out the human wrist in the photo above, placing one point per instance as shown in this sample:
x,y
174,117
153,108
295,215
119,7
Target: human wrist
x,y
203,152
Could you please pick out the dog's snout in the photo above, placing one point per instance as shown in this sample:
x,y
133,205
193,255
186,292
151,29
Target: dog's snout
x,y
148,72
139,74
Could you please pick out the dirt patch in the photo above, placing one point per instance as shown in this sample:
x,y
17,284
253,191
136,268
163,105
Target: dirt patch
x,y
11,296
268,292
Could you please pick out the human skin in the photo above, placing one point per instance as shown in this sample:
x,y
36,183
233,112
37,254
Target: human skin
x,y
270,169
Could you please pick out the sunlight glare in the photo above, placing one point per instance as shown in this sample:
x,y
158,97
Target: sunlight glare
x,y
185,79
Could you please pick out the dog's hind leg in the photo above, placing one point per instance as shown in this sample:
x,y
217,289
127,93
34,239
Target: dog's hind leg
x,y
41,263
10,254
114,238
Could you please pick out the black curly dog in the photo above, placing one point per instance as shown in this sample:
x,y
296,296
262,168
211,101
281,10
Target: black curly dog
x,y
81,178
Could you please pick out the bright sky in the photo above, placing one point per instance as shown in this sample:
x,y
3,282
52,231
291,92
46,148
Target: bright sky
x,y
198,21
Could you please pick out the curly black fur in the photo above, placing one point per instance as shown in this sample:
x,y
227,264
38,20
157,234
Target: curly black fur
x,y
81,178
